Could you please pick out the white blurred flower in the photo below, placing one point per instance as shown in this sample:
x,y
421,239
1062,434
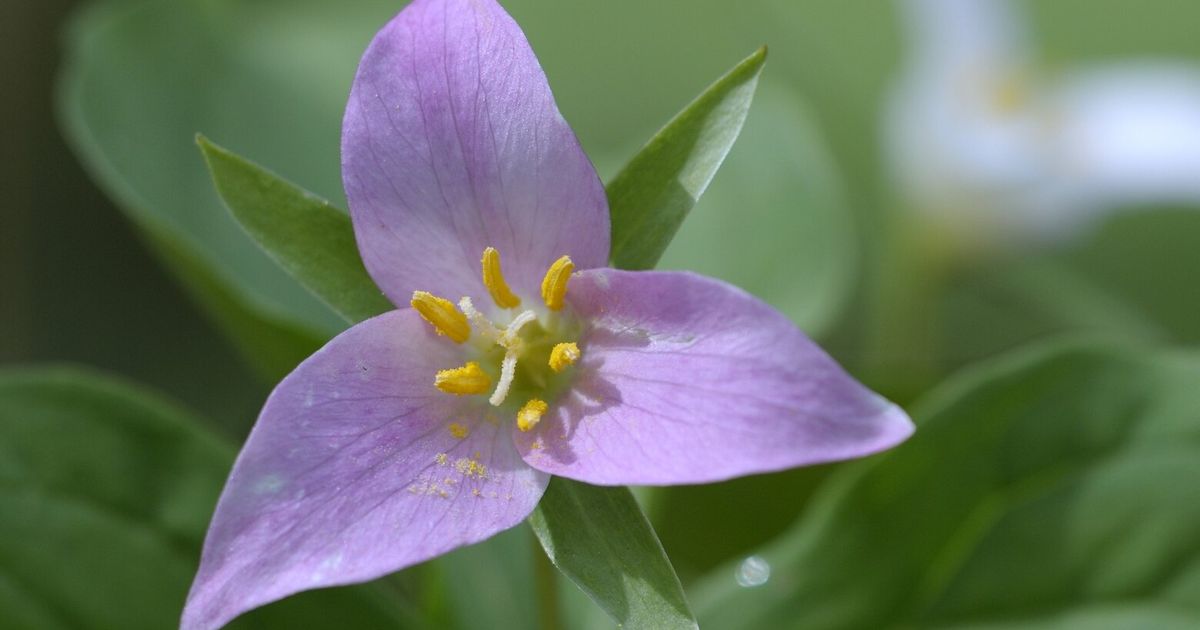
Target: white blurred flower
x,y
976,138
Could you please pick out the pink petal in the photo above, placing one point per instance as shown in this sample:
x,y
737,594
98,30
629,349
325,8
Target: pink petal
x,y
343,478
686,379
452,143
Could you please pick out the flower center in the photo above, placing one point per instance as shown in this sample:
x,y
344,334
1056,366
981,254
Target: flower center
x,y
534,344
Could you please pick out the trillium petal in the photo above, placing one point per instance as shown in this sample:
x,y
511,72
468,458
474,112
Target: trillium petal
x,y
452,143
355,470
685,379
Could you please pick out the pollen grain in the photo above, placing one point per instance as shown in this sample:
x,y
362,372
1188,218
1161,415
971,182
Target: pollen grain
x,y
471,468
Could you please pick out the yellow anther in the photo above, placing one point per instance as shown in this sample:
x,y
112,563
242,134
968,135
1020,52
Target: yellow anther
x,y
458,430
493,279
468,379
441,313
563,355
530,414
554,285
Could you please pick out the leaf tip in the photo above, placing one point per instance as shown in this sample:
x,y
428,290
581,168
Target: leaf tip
x,y
756,60
208,148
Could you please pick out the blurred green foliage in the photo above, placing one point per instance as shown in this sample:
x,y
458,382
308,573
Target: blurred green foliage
x,y
1053,488
105,495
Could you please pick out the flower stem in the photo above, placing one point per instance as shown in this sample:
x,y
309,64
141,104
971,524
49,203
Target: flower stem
x,y
903,338
545,576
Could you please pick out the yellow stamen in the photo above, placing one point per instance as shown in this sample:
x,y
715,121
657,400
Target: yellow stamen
x,y
459,431
493,279
441,313
468,379
530,414
563,355
554,285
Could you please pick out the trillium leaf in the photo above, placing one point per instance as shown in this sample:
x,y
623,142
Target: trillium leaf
x,y
141,78
105,495
1002,306
1131,277
489,585
307,236
272,346
781,197
1055,488
649,197
1146,257
600,539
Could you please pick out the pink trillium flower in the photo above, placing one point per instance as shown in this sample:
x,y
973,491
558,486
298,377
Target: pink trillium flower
x,y
437,426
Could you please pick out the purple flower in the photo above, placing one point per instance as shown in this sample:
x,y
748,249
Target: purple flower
x,y
437,426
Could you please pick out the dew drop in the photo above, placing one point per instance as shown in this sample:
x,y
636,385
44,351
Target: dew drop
x,y
753,571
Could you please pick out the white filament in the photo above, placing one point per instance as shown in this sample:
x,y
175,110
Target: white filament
x,y
509,339
482,324
508,369
514,327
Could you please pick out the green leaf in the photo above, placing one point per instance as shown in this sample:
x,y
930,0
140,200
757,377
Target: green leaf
x,y
601,540
490,585
990,309
1056,488
779,196
739,516
273,347
1130,277
105,495
309,238
1147,257
266,78
652,194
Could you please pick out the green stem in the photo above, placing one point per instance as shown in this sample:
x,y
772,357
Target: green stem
x,y
904,335
545,576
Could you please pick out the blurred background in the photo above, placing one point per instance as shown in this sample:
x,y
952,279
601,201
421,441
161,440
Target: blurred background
x,y
921,185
